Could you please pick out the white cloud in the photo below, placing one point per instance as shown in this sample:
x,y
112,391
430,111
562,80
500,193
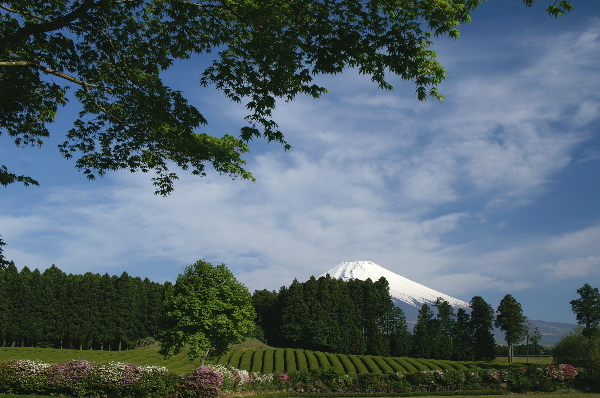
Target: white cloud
x,y
372,176
574,268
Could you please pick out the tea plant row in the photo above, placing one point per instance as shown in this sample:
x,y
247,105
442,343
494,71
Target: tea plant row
x,y
297,360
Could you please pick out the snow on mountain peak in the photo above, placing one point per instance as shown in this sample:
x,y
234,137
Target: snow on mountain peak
x,y
402,290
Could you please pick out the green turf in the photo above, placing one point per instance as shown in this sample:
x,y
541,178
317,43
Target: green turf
x,y
251,359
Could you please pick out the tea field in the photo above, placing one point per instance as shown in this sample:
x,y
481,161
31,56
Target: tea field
x,y
255,360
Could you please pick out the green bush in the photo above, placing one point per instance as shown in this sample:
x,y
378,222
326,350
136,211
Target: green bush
x,y
335,362
416,365
268,361
257,360
429,365
371,365
302,365
383,365
323,360
234,359
290,361
246,359
311,359
395,365
442,364
347,363
279,360
358,364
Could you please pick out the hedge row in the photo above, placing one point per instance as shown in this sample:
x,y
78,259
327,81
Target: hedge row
x,y
296,360
80,378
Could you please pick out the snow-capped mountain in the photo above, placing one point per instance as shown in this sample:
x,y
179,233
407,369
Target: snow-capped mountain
x,y
406,294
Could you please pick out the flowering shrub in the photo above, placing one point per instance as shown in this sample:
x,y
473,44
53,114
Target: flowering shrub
x,y
422,378
561,372
201,382
81,378
25,376
71,378
233,379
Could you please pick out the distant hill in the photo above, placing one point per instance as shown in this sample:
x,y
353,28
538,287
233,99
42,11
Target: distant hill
x,y
551,332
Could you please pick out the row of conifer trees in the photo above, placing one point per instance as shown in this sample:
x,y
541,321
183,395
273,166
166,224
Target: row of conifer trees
x,y
359,317
93,311
89,311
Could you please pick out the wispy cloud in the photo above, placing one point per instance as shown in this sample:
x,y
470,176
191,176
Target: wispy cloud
x,y
372,176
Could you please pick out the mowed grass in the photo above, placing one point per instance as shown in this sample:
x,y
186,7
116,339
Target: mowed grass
x,y
537,360
571,395
255,358
145,357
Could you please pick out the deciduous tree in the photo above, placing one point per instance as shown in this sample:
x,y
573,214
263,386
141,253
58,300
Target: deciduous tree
x,y
207,311
113,52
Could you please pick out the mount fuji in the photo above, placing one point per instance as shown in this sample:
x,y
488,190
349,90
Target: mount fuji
x,y
406,294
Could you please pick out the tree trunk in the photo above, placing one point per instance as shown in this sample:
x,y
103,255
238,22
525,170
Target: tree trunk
x,y
203,357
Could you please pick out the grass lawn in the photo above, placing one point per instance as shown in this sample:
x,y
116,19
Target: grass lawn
x,y
536,360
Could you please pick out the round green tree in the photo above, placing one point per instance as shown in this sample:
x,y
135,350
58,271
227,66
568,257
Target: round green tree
x,y
206,311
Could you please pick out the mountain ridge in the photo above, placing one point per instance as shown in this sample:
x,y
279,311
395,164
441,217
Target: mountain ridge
x,y
410,296
406,294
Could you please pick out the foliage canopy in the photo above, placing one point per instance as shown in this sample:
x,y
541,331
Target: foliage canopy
x,y
587,312
207,311
512,322
113,52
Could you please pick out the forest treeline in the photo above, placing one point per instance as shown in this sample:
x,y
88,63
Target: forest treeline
x,y
359,317
89,311
103,312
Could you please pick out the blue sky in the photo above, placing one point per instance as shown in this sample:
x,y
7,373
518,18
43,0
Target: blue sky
x,y
492,191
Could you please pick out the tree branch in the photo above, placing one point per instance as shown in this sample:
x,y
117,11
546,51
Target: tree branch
x,y
49,71
23,13
58,23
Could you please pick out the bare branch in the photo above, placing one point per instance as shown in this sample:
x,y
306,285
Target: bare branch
x,y
200,5
15,63
63,75
49,71
23,13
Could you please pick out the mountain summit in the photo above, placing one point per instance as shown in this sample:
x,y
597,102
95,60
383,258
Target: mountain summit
x,y
406,294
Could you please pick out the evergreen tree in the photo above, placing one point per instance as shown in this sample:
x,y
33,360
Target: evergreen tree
x,y
462,340
3,262
36,315
446,319
13,312
481,325
397,332
511,321
54,285
423,334
318,331
106,310
268,314
295,315
4,306
587,312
